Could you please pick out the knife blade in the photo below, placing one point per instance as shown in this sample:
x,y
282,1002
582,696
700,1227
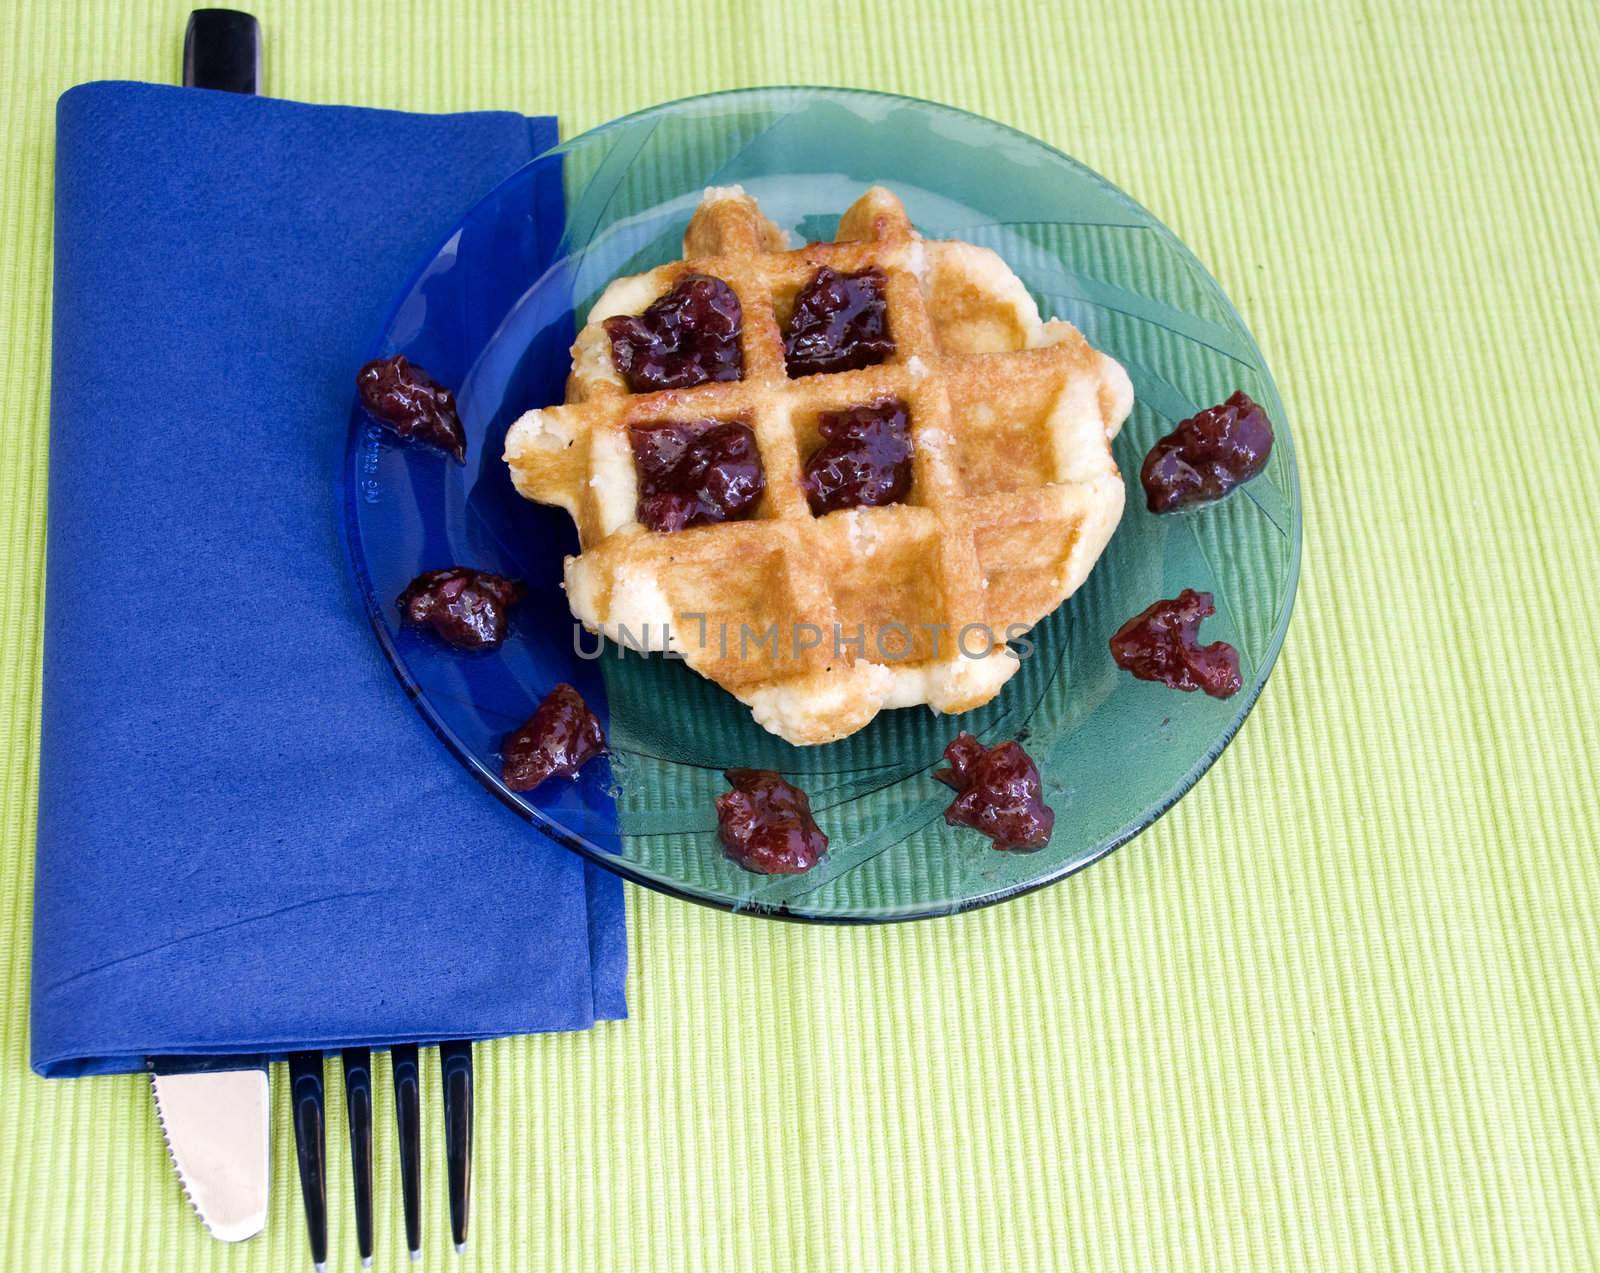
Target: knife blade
x,y
217,1125
215,1111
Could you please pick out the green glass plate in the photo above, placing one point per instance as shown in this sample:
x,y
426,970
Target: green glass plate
x,y
494,310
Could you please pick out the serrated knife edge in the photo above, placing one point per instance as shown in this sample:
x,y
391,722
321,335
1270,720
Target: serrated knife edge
x,y
217,1127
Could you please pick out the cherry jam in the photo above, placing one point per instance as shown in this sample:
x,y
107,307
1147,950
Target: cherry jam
x,y
559,738
1162,644
467,608
687,337
695,472
1207,455
998,793
401,395
864,460
840,323
766,824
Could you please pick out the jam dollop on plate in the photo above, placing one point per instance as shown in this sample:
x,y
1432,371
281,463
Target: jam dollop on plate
x,y
469,609
766,824
1162,644
998,793
401,395
559,738
864,460
840,323
695,472
1207,455
687,337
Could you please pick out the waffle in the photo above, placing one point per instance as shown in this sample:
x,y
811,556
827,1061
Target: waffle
x,y
1014,492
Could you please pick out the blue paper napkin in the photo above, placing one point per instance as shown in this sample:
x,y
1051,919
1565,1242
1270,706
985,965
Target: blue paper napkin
x,y
248,839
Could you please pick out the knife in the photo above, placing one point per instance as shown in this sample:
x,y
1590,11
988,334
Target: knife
x,y
215,1116
222,50
215,1111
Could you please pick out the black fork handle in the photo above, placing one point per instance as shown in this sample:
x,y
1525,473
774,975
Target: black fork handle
x,y
305,1094
358,1110
455,1072
408,1126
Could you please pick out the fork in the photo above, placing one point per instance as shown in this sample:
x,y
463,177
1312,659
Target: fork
x,y
307,1094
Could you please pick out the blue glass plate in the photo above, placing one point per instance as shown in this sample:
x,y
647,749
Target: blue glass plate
x,y
494,312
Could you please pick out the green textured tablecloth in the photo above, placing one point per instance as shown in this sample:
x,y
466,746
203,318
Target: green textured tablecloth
x,y
1338,1010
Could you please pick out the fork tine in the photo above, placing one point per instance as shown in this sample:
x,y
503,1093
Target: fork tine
x,y
455,1069
358,1109
408,1124
305,1086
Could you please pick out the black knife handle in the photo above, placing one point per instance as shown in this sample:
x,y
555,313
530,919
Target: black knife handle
x,y
358,1110
305,1095
455,1071
408,1124
222,50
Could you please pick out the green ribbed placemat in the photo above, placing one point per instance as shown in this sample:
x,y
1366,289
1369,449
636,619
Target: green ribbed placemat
x,y
1338,1010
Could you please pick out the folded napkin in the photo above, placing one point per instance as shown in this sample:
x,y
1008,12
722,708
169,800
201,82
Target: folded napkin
x,y
248,838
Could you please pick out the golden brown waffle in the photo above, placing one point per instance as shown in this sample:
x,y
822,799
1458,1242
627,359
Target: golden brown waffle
x,y
1014,492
